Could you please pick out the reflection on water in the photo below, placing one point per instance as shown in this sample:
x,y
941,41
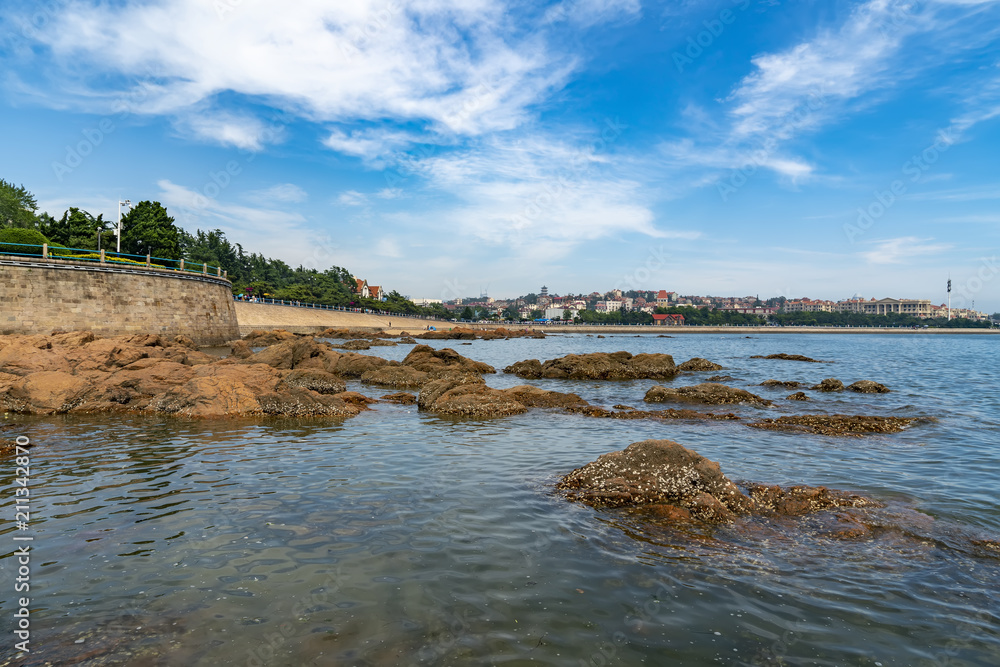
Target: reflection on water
x,y
401,538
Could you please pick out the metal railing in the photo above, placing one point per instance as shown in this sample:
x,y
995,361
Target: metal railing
x,y
48,251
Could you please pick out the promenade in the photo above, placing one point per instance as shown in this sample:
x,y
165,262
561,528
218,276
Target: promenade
x,y
301,319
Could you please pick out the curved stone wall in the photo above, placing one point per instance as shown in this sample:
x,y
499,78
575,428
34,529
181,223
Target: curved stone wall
x,y
45,295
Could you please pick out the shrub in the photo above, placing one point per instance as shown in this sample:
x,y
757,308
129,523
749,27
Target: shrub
x,y
20,235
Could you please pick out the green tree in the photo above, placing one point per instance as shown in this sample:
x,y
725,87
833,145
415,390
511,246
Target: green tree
x,y
17,206
467,313
148,229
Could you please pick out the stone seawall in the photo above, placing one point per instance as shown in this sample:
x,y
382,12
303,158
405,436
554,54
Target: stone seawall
x,y
42,296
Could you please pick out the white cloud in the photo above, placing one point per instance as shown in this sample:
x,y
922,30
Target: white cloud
x,y
229,129
898,250
273,232
449,66
287,193
389,193
352,198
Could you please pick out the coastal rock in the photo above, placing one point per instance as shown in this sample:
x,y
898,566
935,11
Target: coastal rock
x,y
322,382
657,472
407,340
267,338
709,393
699,364
721,378
241,350
799,500
402,398
829,384
44,393
360,344
868,387
850,425
352,365
670,482
626,412
786,384
798,396
465,333
451,396
289,354
788,357
147,373
598,366
397,376
357,334
427,359
533,397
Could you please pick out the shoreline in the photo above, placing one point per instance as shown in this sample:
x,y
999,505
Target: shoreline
x,y
251,316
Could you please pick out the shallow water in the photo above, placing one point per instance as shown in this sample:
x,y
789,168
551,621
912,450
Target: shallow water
x,y
399,537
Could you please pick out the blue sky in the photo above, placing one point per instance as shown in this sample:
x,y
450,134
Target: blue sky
x,y
444,147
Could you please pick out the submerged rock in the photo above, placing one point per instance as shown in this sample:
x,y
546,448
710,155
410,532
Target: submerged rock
x,y
829,384
598,366
699,364
402,398
465,333
657,472
360,344
798,396
678,484
787,384
868,387
709,393
460,396
788,357
533,397
835,424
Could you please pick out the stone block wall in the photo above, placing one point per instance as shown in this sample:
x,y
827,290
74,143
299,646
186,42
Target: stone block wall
x,y
41,296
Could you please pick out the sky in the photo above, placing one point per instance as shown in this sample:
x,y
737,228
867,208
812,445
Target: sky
x,y
449,148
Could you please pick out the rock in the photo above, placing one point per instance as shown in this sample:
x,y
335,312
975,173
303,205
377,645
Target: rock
x,y
241,350
301,402
364,344
402,398
799,500
620,406
146,373
721,378
624,412
322,382
699,364
45,393
600,336
457,333
530,369
21,357
407,340
789,357
836,424
710,393
598,366
457,396
868,387
351,365
798,396
657,472
829,384
789,384
268,338
396,376
427,359
289,353
184,341
533,397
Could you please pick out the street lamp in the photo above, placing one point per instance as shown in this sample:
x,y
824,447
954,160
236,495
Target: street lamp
x,y
120,204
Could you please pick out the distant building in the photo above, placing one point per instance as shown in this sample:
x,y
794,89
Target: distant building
x,y
763,311
557,313
916,307
668,320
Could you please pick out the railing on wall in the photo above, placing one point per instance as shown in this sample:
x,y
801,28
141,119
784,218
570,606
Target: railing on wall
x,y
47,251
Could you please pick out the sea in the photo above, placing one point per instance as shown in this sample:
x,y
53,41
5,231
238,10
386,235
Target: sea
x,y
399,537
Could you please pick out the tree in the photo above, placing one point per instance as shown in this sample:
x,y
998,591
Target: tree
x,y
467,313
567,314
17,206
148,229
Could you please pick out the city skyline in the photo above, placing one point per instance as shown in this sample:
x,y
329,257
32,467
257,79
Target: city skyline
x,y
747,147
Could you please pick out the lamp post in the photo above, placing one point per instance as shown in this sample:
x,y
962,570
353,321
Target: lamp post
x,y
120,204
